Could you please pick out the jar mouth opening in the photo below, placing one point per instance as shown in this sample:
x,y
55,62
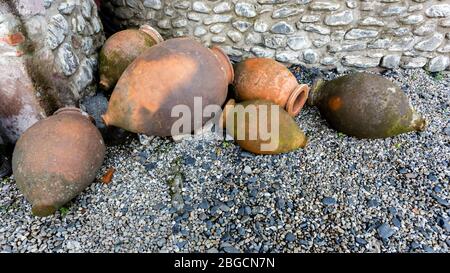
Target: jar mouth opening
x,y
297,99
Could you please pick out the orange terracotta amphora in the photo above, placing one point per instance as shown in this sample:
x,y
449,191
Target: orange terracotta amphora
x,y
266,79
171,73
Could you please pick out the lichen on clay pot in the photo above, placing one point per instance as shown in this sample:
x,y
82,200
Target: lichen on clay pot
x,y
121,49
262,127
267,79
365,105
56,159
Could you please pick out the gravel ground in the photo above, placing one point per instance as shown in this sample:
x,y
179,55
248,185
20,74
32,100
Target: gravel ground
x,y
340,194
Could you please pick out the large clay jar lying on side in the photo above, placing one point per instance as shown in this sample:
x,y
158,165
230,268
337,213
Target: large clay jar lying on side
x,y
56,159
121,49
262,127
168,74
365,106
266,79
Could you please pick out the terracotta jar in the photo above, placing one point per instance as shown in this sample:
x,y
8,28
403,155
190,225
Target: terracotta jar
x,y
174,72
121,49
365,106
56,159
262,127
266,79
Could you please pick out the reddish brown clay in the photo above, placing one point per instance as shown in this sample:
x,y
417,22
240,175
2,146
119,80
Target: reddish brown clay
x,y
121,49
56,159
171,73
266,79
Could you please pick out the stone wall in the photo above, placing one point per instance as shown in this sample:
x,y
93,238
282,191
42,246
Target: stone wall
x,y
353,33
48,59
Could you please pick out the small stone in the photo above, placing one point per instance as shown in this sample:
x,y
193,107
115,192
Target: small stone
x,y
164,24
324,5
298,42
360,61
235,36
180,22
318,29
48,3
248,170
397,222
339,19
217,18
286,56
86,8
242,26
380,44
222,7
253,38
262,52
286,11
415,245
260,26
231,249
200,31
67,7
425,29
200,6
385,231
393,11
218,39
245,9
412,19
357,33
430,44
290,237
217,28
407,62
310,18
371,21
439,63
361,241
442,10
328,61
57,30
154,4
441,200
67,59
275,41
373,203
329,201
390,61
282,28
310,56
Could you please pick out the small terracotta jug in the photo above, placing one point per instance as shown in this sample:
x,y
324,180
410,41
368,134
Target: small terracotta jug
x,y
56,159
174,72
266,79
121,49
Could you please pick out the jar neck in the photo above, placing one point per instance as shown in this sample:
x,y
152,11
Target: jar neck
x,y
153,33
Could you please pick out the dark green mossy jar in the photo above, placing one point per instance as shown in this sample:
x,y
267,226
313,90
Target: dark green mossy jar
x,y
365,105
